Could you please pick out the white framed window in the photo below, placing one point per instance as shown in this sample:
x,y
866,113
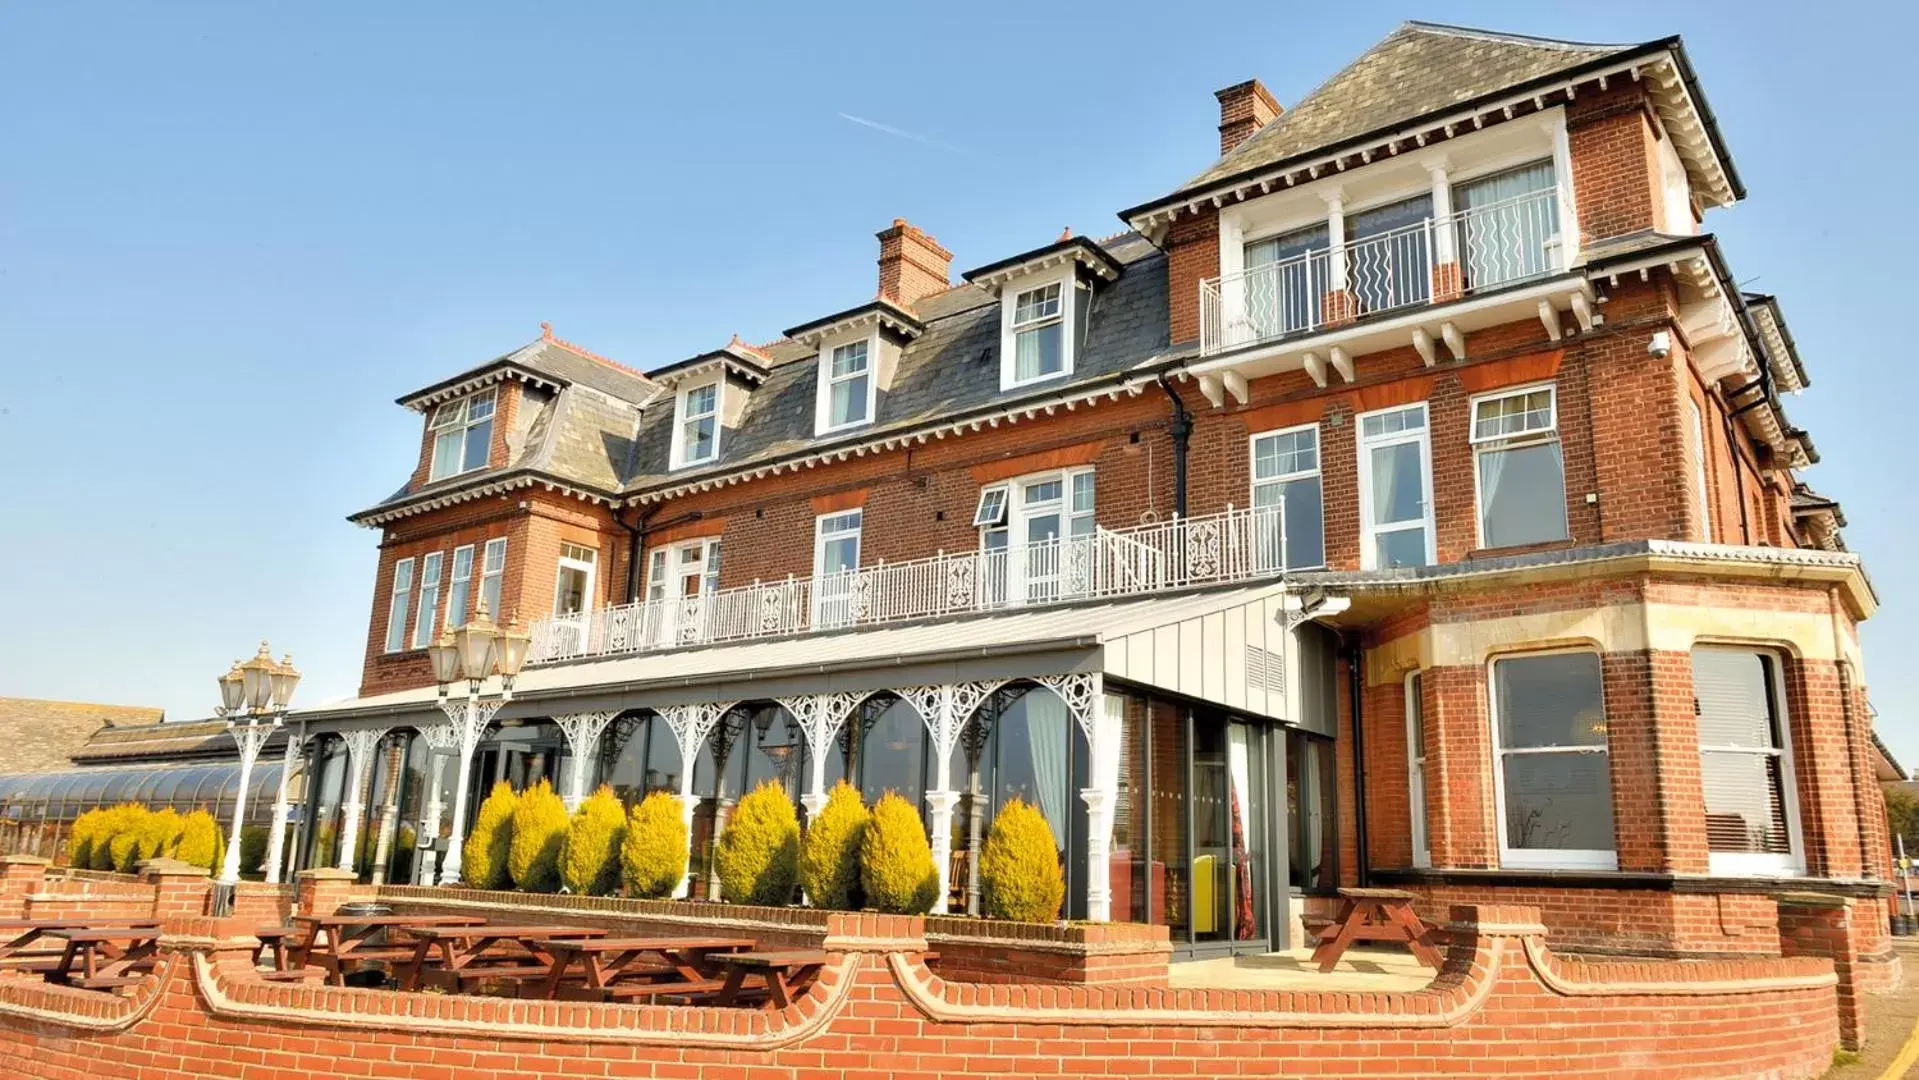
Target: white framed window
x,y
679,571
423,626
459,593
573,581
696,427
401,601
836,563
1036,535
1416,769
1287,493
1517,467
492,569
1037,344
991,510
1552,766
1395,489
1699,484
1745,763
847,387
462,435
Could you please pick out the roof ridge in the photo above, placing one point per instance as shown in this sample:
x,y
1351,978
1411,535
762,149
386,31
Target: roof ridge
x,y
1482,34
546,335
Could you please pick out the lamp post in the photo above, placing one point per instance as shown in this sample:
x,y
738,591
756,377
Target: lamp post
x,y
474,652
253,699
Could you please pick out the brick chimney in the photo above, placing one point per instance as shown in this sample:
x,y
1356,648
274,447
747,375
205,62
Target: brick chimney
x,y
913,265
1243,109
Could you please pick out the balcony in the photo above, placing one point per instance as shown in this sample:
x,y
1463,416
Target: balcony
x,y
1236,546
1439,260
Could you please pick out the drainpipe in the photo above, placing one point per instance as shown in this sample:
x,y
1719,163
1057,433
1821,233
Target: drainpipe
x,y
637,533
1181,427
1355,685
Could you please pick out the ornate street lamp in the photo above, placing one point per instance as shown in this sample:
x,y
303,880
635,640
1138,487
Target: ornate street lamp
x,y
474,652
253,699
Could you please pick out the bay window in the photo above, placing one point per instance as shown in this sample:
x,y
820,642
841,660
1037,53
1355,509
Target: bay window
x,y
1700,486
397,609
1416,768
1518,467
847,388
1552,775
462,435
1287,496
1745,763
1395,489
696,431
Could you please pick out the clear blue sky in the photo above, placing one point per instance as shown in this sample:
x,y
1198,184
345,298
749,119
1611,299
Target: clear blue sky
x,y
230,236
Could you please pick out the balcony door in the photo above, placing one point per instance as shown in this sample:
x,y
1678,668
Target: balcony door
x,y
680,581
1508,226
1388,263
573,596
1052,528
1284,277
1395,489
836,564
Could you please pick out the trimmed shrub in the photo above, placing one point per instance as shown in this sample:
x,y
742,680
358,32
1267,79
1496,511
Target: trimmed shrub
x,y
80,839
200,842
112,822
1019,870
539,828
830,851
157,835
483,857
896,861
124,848
653,854
758,856
590,855
253,848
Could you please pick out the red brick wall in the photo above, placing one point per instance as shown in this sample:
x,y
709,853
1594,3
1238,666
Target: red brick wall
x,y
1615,160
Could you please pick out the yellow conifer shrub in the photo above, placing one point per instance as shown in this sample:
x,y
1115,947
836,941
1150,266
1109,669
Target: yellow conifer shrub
x,y
539,829
158,833
758,856
112,822
1019,870
200,842
484,855
653,853
81,837
830,851
896,861
590,855
124,848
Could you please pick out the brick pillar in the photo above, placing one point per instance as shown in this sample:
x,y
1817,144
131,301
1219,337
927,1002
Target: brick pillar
x,y
1822,759
1815,924
1461,831
20,876
1449,282
322,890
1338,307
180,891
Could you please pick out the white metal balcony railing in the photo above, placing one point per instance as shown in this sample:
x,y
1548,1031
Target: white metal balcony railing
x,y
1238,545
1434,260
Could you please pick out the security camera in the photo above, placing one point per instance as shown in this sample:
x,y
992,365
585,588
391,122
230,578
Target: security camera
x,y
1660,346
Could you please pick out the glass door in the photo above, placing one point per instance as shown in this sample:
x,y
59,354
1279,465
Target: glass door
x,y
836,564
679,580
1284,277
1395,489
573,596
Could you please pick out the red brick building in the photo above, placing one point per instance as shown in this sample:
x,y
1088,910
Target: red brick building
x,y
1407,499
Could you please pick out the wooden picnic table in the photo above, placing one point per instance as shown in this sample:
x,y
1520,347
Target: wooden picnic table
x,y
488,950
18,935
637,967
1377,915
784,975
106,957
334,942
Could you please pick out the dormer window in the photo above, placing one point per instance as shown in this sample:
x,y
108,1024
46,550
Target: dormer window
x,y
696,434
847,386
462,435
1039,334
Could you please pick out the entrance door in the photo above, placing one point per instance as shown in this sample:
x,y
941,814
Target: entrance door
x,y
678,581
1229,867
573,596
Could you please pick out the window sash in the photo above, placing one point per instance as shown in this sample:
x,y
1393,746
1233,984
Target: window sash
x,y
460,586
1745,762
429,600
1537,415
1034,307
463,435
396,616
492,568
698,424
991,509
1537,751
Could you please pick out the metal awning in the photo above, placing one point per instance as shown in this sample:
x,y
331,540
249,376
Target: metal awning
x,y
1226,646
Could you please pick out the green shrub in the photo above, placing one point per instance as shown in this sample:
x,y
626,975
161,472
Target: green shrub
x,y
539,828
758,856
80,838
157,835
1019,868
830,852
590,855
653,855
896,862
253,848
200,842
124,848
484,856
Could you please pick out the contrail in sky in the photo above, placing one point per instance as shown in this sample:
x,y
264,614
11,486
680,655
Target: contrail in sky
x,y
898,132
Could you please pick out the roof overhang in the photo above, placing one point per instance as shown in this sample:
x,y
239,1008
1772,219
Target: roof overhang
x,y
878,312
1788,370
1080,252
1661,65
474,488
731,360
479,378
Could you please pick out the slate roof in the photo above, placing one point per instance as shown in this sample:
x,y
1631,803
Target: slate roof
x,y
1419,68
185,739
44,735
562,363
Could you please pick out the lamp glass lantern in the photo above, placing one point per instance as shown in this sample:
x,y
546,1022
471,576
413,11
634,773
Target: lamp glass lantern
x,y
284,678
232,689
510,651
256,679
475,643
445,656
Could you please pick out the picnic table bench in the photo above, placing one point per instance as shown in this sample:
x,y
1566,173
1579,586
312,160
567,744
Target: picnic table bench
x,y
471,953
337,942
620,968
105,957
783,975
1376,915
19,936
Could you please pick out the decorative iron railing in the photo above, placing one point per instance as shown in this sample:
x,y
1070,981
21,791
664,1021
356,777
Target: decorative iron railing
x,y
1238,545
1431,261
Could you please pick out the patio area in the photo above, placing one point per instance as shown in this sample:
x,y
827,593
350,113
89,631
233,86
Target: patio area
x,y
1362,968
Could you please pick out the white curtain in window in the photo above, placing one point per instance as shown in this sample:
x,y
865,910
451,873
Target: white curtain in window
x,y
1046,722
1503,235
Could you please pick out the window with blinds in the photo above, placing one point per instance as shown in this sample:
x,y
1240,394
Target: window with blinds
x,y
1744,760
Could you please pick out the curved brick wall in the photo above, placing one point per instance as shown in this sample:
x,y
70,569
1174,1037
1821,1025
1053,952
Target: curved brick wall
x,y
1503,1004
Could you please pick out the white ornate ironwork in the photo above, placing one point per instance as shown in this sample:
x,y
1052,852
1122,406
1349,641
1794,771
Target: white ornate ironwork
x,y
277,832
467,718
251,736
359,749
820,717
582,731
1080,691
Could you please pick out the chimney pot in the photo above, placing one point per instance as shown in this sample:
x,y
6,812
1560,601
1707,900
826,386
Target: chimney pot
x,y
913,265
1243,109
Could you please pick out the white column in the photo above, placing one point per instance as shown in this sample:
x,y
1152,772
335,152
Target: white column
x,y
691,724
1335,240
250,736
1104,738
583,731
360,746
277,834
444,739
470,718
1443,230
944,709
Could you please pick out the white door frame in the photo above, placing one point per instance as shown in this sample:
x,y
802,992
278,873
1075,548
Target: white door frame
x,y
1368,554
